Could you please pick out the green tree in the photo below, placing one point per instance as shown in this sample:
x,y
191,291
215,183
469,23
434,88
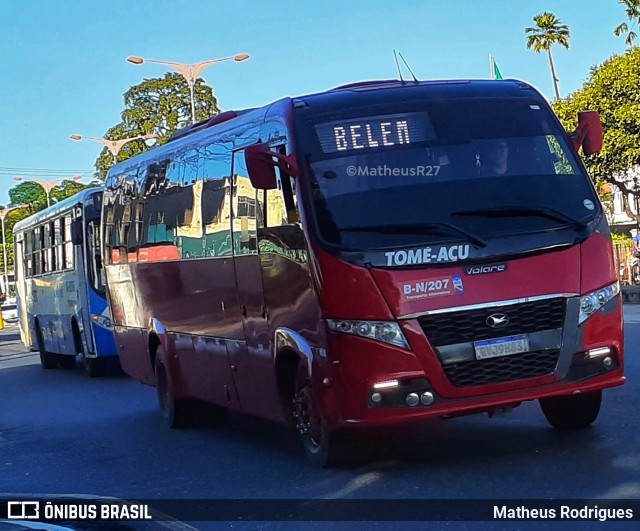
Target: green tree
x,y
612,89
32,194
632,10
12,218
28,193
547,32
160,106
66,189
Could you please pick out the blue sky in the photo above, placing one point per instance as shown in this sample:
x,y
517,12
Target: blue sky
x,y
64,66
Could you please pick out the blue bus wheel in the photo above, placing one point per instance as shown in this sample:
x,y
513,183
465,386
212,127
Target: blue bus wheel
x,y
93,367
48,360
66,361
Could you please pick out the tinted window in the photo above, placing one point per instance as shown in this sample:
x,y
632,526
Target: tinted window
x,y
470,154
248,212
216,201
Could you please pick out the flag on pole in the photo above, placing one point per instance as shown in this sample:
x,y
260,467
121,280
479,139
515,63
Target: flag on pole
x,y
494,70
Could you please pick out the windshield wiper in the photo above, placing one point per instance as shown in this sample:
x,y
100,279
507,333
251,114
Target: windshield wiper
x,y
515,211
418,228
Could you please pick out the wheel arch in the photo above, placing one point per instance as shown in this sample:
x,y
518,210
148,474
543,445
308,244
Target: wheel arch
x,y
78,341
152,346
156,336
290,349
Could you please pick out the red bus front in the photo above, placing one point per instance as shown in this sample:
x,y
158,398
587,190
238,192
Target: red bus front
x,y
453,278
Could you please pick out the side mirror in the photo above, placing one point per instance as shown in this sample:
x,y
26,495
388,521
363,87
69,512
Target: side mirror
x,y
76,232
261,166
589,134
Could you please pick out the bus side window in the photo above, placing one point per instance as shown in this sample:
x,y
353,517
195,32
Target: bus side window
x,y
69,262
37,255
215,200
107,221
248,211
282,223
97,273
161,213
58,247
28,254
285,197
290,199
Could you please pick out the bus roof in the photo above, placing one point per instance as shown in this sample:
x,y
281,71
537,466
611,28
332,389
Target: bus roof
x,y
54,210
200,130
371,92
360,93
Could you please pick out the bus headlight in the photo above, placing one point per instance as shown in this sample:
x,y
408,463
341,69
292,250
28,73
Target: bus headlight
x,y
385,331
592,302
102,320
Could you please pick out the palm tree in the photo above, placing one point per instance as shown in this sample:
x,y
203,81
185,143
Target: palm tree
x,y
632,8
548,31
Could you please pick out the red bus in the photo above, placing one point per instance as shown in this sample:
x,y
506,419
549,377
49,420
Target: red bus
x,y
379,253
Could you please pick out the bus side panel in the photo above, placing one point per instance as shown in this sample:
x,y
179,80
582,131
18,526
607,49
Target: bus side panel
x,y
195,296
202,370
56,333
105,342
291,300
134,354
129,327
195,299
26,334
99,337
54,304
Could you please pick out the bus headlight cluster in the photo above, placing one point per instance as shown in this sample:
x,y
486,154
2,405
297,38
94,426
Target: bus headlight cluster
x,y
385,331
592,302
102,320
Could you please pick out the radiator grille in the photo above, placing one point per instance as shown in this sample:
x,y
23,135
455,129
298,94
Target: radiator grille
x,y
470,325
503,369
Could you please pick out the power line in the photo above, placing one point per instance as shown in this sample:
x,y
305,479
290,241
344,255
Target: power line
x,y
41,171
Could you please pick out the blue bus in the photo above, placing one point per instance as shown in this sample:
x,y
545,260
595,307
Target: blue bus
x,y
60,284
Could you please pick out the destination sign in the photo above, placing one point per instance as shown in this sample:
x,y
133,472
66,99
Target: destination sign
x,y
374,132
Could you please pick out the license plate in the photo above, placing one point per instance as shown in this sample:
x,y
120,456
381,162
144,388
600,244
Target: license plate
x,y
503,346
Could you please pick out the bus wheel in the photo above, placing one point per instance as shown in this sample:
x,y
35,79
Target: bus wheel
x,y
174,411
93,367
65,361
48,360
572,411
321,446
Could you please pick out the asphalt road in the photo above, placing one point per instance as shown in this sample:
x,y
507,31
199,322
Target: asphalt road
x,y
64,433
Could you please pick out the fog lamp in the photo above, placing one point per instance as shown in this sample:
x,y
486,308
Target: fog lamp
x,y
412,399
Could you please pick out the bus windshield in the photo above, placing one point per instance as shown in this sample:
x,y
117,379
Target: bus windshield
x,y
455,170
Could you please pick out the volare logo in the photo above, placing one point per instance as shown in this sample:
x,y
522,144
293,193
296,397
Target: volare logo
x,y
485,269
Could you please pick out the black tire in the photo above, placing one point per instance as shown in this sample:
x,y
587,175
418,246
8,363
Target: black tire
x,y
175,412
204,414
94,367
322,447
48,360
65,361
572,412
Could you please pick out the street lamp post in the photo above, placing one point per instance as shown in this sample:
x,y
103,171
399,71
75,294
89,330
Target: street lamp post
x,y
114,146
190,72
47,186
3,215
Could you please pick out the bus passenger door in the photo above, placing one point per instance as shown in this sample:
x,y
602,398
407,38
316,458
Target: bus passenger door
x,y
250,359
